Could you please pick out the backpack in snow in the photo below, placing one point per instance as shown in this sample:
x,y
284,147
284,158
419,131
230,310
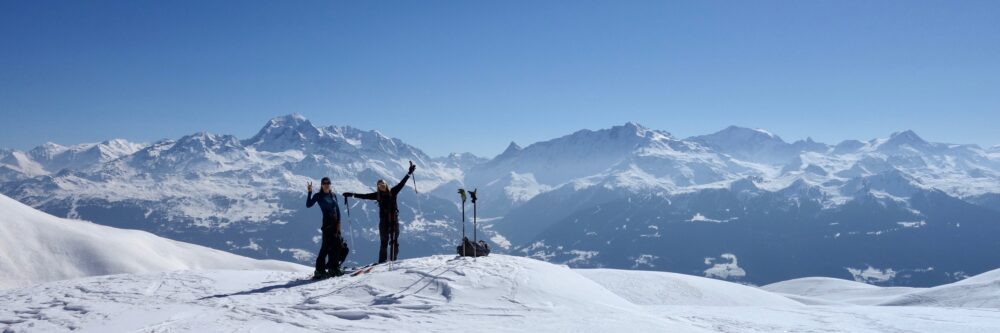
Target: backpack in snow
x,y
469,248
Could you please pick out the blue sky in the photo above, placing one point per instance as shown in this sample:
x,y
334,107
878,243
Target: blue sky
x,y
473,75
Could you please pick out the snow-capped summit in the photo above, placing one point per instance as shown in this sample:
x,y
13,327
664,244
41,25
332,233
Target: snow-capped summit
x,y
47,150
638,130
292,131
204,141
195,153
630,128
746,143
736,135
848,146
116,148
513,147
587,149
371,142
547,164
510,152
295,132
200,152
808,145
905,141
55,157
906,137
462,161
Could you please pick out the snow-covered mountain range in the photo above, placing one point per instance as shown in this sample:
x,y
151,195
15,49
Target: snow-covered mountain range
x,y
739,204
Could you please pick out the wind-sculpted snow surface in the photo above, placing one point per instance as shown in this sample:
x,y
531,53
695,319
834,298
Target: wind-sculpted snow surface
x,y
820,290
37,247
662,288
448,294
438,293
980,291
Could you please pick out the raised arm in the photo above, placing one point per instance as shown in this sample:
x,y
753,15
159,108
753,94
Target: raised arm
x,y
399,187
366,196
310,200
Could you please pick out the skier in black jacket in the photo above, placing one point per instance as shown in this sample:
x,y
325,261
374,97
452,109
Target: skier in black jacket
x,y
332,249
388,226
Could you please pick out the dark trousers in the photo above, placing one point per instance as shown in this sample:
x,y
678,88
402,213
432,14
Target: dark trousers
x,y
330,251
388,236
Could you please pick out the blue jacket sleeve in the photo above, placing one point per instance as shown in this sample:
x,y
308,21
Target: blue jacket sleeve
x,y
310,200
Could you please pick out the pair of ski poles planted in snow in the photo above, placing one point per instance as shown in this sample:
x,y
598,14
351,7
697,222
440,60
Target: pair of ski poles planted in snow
x,y
392,244
475,237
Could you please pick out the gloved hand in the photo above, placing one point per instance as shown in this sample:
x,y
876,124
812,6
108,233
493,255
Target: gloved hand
x,y
348,194
413,167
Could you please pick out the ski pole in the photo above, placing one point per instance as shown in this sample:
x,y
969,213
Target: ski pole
x,y
350,224
416,197
347,205
414,177
393,245
461,192
475,225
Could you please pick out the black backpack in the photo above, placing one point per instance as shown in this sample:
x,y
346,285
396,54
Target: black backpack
x,y
473,249
344,250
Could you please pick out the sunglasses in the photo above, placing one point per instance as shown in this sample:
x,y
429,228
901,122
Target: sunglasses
x,y
325,183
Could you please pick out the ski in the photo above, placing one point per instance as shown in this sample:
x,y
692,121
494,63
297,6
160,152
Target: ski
x,y
363,271
360,270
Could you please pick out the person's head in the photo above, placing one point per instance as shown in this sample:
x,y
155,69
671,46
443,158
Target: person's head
x,y
325,184
382,186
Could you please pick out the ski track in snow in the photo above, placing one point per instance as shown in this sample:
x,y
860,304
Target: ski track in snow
x,y
446,294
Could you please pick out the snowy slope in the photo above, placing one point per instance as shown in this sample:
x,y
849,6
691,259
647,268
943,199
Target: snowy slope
x,y
662,288
440,293
37,247
447,294
820,290
980,291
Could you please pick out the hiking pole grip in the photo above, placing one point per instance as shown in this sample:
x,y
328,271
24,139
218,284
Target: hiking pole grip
x,y
414,177
475,229
347,206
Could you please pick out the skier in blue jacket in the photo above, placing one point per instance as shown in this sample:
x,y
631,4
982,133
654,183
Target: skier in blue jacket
x,y
332,250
